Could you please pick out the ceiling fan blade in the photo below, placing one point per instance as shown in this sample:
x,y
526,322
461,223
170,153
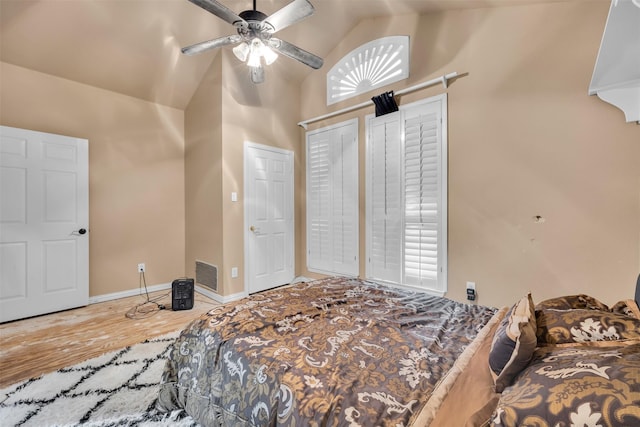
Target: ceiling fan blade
x,y
295,11
218,9
211,44
294,52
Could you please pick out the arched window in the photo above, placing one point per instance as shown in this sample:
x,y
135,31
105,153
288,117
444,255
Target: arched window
x,y
372,65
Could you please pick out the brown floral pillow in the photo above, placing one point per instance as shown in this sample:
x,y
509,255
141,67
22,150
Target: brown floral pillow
x,y
627,307
571,302
584,326
513,343
583,386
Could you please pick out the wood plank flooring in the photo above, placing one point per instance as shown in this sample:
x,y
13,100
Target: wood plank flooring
x,y
43,344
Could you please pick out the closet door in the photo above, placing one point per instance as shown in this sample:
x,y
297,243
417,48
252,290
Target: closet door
x,y
332,199
384,199
407,196
44,223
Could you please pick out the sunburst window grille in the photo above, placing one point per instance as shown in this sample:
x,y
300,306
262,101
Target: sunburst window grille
x,y
372,65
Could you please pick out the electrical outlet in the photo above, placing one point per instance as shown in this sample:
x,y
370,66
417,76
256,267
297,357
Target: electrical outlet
x,y
141,267
234,272
471,291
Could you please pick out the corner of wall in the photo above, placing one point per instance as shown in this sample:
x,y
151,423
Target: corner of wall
x,y
203,172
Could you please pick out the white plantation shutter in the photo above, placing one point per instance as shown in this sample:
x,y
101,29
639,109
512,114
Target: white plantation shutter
x,y
412,160
345,201
332,199
422,190
385,239
318,196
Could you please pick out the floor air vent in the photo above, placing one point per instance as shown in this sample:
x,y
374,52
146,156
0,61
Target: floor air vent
x,y
207,275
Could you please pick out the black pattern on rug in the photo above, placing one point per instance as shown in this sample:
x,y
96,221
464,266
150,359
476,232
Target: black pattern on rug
x,y
117,389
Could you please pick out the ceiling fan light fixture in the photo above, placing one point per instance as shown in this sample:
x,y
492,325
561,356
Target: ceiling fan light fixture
x,y
241,51
254,54
269,55
257,50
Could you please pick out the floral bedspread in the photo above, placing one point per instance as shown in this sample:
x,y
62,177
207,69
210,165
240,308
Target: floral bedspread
x,y
582,386
331,352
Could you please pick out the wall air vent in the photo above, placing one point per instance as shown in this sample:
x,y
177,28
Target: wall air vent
x,y
207,275
372,65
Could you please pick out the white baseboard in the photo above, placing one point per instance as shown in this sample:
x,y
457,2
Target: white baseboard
x,y
129,293
221,299
162,287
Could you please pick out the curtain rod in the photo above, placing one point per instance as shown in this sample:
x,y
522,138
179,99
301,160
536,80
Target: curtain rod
x,y
442,79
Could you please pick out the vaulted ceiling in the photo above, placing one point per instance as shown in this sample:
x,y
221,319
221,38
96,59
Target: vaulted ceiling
x,y
133,46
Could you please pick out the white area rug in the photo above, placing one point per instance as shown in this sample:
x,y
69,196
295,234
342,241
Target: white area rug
x,y
115,389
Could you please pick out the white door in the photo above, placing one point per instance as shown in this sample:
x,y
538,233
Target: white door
x,y
269,240
44,223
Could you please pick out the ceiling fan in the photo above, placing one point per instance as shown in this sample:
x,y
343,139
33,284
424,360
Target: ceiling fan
x,y
255,41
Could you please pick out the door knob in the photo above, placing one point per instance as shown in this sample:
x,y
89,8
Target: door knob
x,y
252,228
82,231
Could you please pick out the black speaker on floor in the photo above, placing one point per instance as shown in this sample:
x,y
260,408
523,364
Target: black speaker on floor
x,y
182,294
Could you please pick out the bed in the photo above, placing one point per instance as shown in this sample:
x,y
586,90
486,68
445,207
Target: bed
x,y
581,367
336,351
344,351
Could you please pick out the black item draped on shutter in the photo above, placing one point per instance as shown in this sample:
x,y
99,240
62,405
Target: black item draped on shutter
x,y
385,103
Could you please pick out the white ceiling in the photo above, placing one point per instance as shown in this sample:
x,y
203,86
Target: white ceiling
x,y
133,46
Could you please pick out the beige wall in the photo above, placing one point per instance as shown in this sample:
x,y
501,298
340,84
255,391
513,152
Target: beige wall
x,y
264,114
203,173
525,139
136,174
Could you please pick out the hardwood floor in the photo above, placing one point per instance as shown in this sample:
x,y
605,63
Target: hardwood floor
x,y
38,345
